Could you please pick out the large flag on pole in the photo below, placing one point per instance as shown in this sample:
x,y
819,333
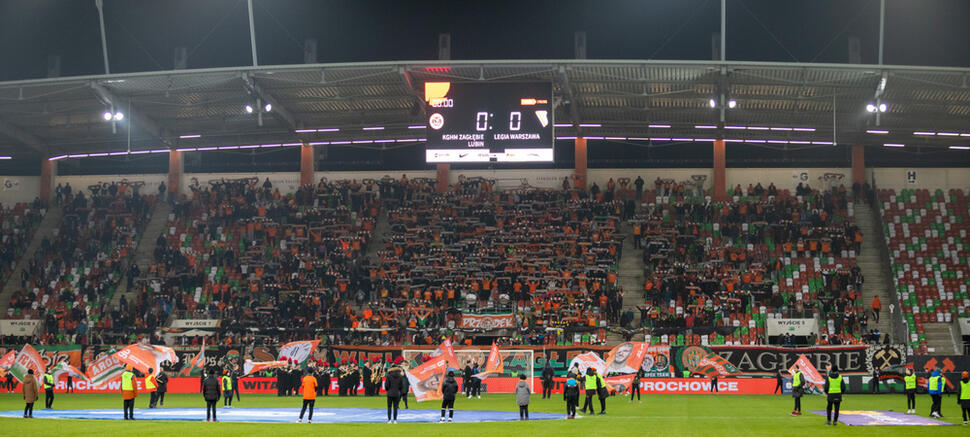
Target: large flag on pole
x,y
250,367
448,352
426,379
197,362
65,369
7,361
298,351
626,357
104,370
27,359
811,374
494,365
146,356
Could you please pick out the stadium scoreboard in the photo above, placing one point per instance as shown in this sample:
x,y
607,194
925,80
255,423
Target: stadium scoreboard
x,y
489,122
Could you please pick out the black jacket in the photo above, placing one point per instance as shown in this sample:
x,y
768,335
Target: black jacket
x,y
468,373
547,374
394,383
449,388
570,392
162,380
211,388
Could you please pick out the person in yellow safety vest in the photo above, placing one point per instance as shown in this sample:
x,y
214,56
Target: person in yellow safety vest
x,y
151,386
935,388
129,391
910,381
797,390
226,389
834,387
964,398
48,390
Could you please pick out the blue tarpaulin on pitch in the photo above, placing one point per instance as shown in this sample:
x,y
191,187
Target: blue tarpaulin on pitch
x,y
284,415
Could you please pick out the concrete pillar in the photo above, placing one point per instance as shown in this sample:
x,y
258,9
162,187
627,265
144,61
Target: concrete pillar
x,y
442,185
579,174
175,170
306,165
858,164
720,191
48,171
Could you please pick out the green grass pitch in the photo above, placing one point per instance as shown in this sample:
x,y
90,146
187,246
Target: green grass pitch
x,y
658,415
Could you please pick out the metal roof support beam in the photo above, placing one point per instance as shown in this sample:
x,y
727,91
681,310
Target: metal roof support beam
x,y
148,124
409,84
23,136
278,109
563,80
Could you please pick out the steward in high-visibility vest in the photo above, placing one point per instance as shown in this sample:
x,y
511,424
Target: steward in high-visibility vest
x,y
964,398
910,381
226,389
129,391
797,386
935,387
834,387
48,390
151,386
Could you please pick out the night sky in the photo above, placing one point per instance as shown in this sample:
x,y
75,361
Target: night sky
x,y
143,34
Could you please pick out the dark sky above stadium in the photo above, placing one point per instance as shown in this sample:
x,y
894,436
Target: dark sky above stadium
x,y
143,34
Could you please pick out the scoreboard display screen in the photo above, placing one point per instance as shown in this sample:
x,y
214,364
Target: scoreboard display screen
x,y
489,122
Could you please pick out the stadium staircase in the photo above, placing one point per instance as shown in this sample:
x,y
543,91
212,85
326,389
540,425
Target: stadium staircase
x,y
630,277
873,262
50,223
939,339
382,229
145,250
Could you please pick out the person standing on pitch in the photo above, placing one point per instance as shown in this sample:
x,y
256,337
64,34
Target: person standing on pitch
x,y
635,386
547,382
395,388
935,388
449,388
522,394
834,387
309,384
151,387
162,381
910,381
570,394
714,383
407,382
779,382
964,398
129,391
602,391
235,380
227,388
590,387
48,390
30,394
211,393
797,390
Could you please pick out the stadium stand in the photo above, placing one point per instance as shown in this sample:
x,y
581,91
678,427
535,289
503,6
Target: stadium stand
x,y
17,226
926,234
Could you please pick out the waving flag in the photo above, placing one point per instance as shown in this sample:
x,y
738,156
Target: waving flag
x,y
298,351
587,360
810,373
626,357
448,352
104,370
7,361
146,356
426,379
63,368
250,367
197,362
27,359
494,365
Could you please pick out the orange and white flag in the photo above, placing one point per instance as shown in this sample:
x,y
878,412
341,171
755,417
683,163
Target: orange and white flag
x,y
146,356
587,360
626,357
7,361
447,351
298,351
494,365
197,362
809,371
250,367
426,379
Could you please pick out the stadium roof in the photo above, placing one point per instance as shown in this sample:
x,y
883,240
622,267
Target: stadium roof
x,y
926,106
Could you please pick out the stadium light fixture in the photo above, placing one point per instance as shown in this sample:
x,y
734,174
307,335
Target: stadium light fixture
x,y
960,147
712,103
894,145
119,116
882,107
107,115
268,107
732,104
659,126
249,109
870,108
877,132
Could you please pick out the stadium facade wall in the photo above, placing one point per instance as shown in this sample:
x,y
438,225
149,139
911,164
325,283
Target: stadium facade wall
x,y
15,189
